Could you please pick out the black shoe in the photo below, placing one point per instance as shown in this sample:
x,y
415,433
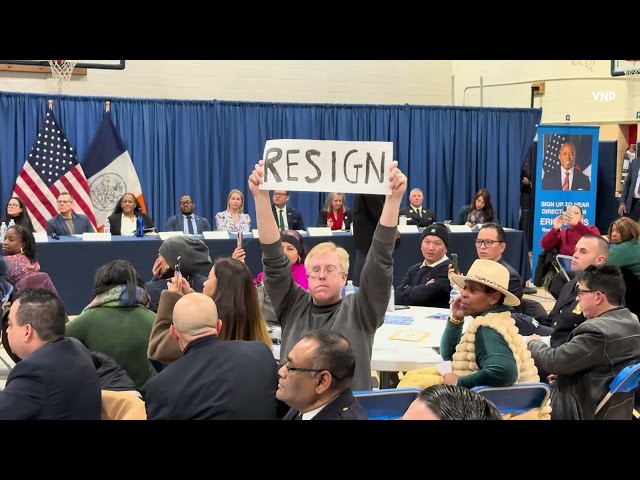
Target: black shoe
x,y
529,291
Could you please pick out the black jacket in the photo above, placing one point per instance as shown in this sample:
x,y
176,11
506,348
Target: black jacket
x,y
344,407
414,289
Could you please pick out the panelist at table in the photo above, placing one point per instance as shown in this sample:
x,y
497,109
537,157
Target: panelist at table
x,y
68,222
187,221
123,218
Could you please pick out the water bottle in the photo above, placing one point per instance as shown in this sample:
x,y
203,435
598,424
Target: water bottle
x,y
455,293
350,288
391,307
107,226
11,223
139,226
3,230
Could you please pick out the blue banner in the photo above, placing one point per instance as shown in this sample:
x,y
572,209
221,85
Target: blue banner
x,y
567,172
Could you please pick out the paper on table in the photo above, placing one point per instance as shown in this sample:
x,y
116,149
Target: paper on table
x,y
546,340
444,367
409,335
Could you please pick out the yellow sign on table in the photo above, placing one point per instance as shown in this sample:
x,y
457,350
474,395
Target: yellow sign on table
x,y
409,335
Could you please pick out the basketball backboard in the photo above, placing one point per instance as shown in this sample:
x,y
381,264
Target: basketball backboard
x,y
108,64
618,67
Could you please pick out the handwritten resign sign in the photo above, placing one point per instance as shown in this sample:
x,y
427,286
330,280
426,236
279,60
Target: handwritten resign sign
x,y
327,166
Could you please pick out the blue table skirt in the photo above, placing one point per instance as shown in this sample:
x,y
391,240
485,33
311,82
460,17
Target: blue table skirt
x,y
72,263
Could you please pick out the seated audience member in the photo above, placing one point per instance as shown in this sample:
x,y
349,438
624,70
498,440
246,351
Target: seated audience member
x,y
624,233
416,214
451,402
356,316
566,314
56,379
287,218
193,257
187,222
232,219
478,211
19,250
117,322
596,351
230,285
213,379
17,211
68,222
316,379
5,287
335,213
426,284
125,214
565,239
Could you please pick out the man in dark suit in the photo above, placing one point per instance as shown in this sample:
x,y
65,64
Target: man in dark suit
x,y
566,177
56,378
416,214
214,379
67,222
286,217
630,200
187,221
366,213
316,380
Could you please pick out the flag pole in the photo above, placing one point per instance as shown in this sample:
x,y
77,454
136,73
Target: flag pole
x,y
50,104
107,106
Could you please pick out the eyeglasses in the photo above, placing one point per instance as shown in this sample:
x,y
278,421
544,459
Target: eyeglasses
x,y
186,203
300,369
329,271
280,194
582,292
487,243
17,205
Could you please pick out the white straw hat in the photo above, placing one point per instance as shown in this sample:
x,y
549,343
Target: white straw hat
x,y
491,274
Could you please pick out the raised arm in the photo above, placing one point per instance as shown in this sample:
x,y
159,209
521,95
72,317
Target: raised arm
x,y
266,222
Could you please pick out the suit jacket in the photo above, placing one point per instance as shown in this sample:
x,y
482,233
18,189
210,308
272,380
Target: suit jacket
x,y
215,379
115,220
366,215
426,217
553,180
56,382
294,218
176,224
630,183
322,219
344,407
515,281
58,225
562,316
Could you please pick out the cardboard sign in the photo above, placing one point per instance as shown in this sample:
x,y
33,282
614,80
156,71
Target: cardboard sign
x,y
327,166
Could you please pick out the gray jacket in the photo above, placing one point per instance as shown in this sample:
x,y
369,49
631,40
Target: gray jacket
x,y
587,363
356,316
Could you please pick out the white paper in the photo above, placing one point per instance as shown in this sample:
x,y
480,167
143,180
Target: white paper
x,y
444,367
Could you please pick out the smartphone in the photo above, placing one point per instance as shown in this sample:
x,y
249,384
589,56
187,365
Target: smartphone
x,y
176,269
240,236
454,260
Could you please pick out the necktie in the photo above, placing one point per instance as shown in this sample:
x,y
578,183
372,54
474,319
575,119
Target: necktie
x,y
565,184
281,220
190,224
298,416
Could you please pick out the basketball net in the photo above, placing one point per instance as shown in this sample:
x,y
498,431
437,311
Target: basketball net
x,y
632,76
61,71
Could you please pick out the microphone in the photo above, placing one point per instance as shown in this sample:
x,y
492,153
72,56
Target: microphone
x,y
55,236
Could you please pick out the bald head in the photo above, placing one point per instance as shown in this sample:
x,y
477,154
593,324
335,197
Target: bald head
x,y
195,314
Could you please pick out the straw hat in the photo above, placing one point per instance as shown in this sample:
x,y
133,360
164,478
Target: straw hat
x,y
491,274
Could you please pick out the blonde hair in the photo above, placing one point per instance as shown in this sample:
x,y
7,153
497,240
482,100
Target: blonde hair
x,y
235,190
328,203
324,247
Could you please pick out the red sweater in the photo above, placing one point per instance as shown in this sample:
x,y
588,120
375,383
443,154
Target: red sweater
x,y
566,238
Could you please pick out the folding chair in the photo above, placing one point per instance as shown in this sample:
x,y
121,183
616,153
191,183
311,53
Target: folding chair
x,y
562,265
387,404
626,381
516,398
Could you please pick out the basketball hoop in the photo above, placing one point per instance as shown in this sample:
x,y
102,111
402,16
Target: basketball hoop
x,y
588,64
632,76
61,71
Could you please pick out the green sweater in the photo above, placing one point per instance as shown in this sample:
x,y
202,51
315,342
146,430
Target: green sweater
x,y
497,366
120,332
626,254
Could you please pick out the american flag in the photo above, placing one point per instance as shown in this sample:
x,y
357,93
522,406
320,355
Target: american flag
x,y
51,168
552,146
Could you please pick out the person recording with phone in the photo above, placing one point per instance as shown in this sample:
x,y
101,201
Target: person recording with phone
x,y
565,239
426,284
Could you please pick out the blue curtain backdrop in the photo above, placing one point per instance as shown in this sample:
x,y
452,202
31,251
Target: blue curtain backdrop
x,y
206,148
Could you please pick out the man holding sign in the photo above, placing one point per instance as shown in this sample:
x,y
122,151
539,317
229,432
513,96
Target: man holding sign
x,y
356,316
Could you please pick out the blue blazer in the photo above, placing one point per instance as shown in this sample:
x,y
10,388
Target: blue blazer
x,y
58,225
294,218
629,184
56,382
176,224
